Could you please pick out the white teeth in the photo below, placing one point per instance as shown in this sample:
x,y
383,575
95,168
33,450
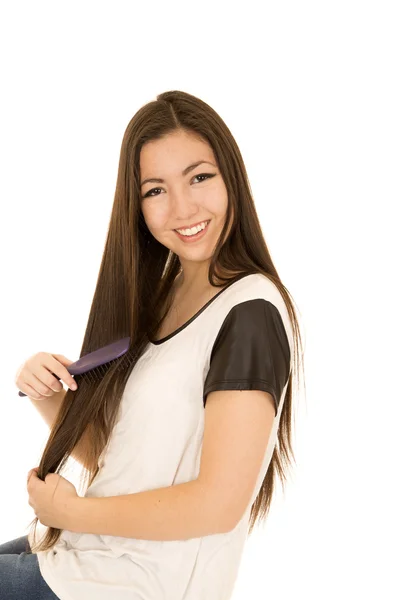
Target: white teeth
x,y
193,230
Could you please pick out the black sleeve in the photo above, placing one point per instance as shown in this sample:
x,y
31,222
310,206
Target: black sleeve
x,y
250,352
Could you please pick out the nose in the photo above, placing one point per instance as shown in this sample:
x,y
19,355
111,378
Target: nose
x,y
183,208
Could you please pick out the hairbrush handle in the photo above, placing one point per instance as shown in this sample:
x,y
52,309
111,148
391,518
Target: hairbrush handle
x,y
96,359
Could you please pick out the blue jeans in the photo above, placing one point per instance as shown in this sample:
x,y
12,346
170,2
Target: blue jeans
x,y
20,577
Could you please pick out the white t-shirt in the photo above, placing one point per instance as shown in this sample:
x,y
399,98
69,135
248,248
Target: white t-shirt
x,y
241,339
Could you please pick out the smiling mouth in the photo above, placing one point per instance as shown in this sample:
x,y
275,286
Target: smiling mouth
x,y
194,225
195,236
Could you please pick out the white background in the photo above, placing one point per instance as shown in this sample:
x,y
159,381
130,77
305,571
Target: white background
x,y
310,90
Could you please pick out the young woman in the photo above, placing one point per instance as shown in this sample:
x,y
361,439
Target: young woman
x,y
182,446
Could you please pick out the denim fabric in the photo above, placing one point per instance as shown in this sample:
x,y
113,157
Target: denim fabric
x,y
20,577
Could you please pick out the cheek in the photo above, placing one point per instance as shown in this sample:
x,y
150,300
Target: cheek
x,y
156,218
216,202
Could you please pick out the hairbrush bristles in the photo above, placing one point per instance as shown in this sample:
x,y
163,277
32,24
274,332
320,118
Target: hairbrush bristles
x,y
96,364
97,373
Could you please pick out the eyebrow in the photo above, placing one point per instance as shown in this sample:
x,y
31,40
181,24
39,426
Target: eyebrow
x,y
184,172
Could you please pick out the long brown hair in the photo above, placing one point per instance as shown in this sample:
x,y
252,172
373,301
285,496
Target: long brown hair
x,y
132,294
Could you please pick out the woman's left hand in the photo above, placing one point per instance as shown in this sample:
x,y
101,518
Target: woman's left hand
x,y
51,499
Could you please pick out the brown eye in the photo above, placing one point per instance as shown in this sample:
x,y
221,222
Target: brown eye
x,y
149,192
206,175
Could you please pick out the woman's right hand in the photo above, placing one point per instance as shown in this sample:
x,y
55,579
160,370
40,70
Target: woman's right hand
x,y
36,376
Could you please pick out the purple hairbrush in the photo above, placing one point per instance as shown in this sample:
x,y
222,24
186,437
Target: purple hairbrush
x,y
96,363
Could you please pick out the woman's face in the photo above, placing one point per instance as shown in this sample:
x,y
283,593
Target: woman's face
x,y
182,199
